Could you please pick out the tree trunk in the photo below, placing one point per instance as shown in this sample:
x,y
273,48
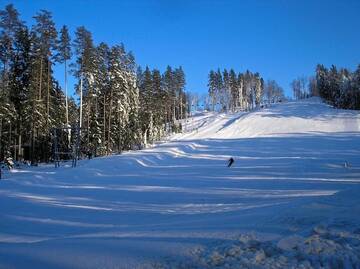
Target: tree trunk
x,y
181,106
109,122
81,101
19,145
66,98
174,116
1,149
48,96
40,79
104,120
67,105
10,136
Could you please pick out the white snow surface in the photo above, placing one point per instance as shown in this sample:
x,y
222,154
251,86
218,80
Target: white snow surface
x,y
291,199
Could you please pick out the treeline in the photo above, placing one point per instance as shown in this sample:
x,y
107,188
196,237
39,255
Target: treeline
x,y
231,91
304,87
163,101
340,88
119,107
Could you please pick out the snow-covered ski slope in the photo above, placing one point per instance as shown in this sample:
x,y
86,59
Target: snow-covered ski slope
x,y
305,116
296,171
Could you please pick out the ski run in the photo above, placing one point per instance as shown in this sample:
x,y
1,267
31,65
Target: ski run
x,y
290,200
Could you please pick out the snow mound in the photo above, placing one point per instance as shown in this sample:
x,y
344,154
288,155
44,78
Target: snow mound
x,y
324,248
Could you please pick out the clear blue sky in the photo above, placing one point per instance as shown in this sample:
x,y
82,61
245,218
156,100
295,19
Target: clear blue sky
x,y
281,39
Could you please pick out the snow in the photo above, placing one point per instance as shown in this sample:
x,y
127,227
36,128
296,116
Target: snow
x,y
289,201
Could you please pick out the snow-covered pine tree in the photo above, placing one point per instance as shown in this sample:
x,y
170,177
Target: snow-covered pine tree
x,y
86,70
133,134
120,104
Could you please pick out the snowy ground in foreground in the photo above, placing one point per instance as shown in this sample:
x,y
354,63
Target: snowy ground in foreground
x,y
288,201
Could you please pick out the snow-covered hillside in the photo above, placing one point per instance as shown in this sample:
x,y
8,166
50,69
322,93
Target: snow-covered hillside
x,y
291,198
305,116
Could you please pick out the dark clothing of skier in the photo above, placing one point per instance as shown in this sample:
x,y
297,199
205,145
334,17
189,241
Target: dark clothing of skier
x,y
231,161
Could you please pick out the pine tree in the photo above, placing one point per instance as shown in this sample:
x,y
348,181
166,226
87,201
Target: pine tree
x,y
146,100
86,70
63,56
169,86
45,36
234,90
212,88
179,80
241,90
225,96
158,104
20,76
322,82
219,88
133,135
103,83
355,89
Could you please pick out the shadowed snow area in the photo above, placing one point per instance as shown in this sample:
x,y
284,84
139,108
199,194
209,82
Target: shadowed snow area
x,y
297,168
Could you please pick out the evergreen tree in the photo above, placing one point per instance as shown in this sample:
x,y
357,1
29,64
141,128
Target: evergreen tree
x,y
170,89
212,84
234,91
63,56
86,69
146,101
102,80
179,78
225,96
241,90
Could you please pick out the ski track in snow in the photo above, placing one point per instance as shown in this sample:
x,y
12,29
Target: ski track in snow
x,y
134,209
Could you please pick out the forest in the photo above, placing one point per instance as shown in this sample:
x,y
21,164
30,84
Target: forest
x,y
117,105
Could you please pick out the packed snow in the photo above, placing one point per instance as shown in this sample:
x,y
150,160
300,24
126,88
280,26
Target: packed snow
x,y
291,199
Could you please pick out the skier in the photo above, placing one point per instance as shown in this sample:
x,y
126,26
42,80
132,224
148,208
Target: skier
x,y
9,163
231,161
